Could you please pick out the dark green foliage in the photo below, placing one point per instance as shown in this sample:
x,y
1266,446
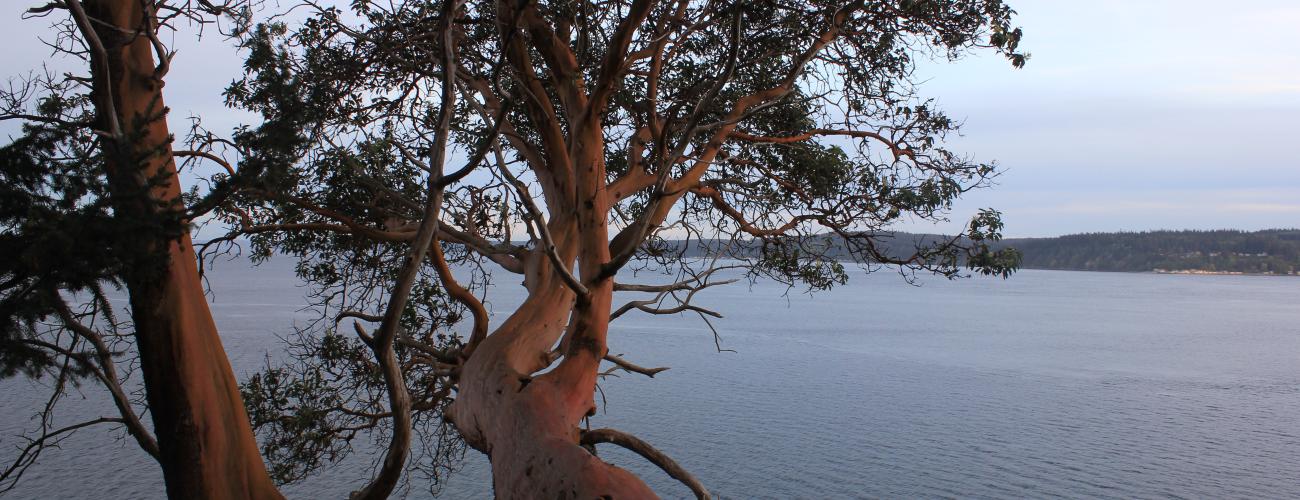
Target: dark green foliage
x,y
61,231
1274,251
57,230
312,411
335,171
983,254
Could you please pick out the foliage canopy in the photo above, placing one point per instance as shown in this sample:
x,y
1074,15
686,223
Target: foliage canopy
x,y
410,152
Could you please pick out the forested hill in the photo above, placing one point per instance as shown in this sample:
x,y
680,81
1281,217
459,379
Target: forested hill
x,y
1275,251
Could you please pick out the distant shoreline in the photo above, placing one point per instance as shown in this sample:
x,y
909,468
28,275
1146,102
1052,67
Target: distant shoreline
x,y
1215,273
1273,252
1186,272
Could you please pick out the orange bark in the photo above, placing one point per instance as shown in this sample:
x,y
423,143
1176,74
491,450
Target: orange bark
x,y
529,426
207,447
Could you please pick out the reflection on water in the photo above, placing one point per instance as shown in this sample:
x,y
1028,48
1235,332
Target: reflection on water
x,y
1051,383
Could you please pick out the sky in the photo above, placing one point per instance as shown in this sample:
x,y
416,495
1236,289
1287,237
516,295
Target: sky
x,y
1136,115
1130,115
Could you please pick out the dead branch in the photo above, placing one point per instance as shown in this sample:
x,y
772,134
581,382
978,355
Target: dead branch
x,y
101,55
685,284
630,367
691,286
106,372
206,155
372,318
34,447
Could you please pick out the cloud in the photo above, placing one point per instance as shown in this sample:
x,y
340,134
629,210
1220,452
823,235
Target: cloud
x,y
1274,208
1114,207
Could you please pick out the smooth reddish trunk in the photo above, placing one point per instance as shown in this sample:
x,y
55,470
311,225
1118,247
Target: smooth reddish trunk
x,y
529,426
207,447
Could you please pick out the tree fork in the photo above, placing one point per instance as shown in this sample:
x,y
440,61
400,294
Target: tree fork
x,y
528,427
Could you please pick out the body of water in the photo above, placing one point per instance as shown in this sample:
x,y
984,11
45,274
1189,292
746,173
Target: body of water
x,y
1050,384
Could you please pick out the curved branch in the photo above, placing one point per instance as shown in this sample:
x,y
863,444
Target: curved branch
x,y
481,152
107,373
462,295
399,397
29,453
181,153
685,284
371,318
644,306
595,436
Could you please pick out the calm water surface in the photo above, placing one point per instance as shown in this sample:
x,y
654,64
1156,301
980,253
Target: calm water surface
x,y
1051,384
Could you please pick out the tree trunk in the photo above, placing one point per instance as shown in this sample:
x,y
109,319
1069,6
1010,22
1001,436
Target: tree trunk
x,y
528,426
207,447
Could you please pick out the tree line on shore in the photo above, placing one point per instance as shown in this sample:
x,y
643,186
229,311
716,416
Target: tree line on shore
x,y
1271,251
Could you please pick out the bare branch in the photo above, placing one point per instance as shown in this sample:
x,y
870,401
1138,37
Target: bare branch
x,y
630,367
47,439
685,284
107,373
537,220
620,438
106,104
372,318
206,155
694,284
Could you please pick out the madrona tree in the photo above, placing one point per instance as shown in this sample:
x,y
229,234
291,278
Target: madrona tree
x,y
90,201
409,152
